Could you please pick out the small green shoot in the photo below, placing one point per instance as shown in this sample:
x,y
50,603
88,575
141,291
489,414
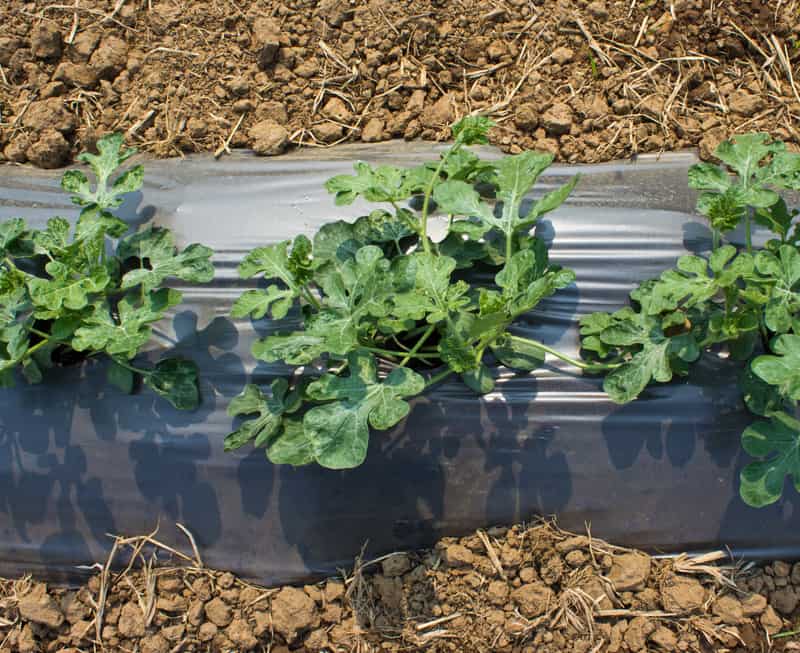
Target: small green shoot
x,y
593,67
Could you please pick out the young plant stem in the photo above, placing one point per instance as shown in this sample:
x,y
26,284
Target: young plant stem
x,y
310,297
786,633
426,202
438,377
41,334
46,337
479,354
417,331
390,352
419,344
35,348
748,237
590,367
7,260
715,240
141,287
131,368
400,344
338,370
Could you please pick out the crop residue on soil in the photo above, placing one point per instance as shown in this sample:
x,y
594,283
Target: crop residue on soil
x,y
525,589
589,81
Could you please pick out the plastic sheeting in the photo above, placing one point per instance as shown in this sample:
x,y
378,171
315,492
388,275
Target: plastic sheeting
x,y
79,460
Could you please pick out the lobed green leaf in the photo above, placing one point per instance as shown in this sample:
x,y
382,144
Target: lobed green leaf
x,y
339,431
159,259
782,368
777,443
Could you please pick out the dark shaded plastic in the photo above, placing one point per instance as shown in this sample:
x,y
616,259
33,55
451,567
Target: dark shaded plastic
x,y
79,460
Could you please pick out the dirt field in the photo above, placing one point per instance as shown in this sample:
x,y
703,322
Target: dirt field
x,y
525,589
590,81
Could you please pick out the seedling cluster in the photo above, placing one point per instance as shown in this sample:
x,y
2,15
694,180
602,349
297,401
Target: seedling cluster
x,y
380,294
742,301
67,294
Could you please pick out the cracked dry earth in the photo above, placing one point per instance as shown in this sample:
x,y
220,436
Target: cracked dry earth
x,y
524,589
588,80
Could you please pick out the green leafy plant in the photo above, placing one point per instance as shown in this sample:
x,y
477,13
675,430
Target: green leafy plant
x,y
66,293
387,311
745,301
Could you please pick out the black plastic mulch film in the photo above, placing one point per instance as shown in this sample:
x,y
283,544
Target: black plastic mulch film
x,y
80,460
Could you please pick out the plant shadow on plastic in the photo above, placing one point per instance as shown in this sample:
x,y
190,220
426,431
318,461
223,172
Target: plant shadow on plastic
x,y
70,293
387,310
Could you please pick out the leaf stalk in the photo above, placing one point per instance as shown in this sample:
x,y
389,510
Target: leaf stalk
x,y
438,377
419,344
589,367
390,352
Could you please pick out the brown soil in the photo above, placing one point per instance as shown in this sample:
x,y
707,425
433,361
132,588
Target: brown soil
x,y
525,589
590,81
